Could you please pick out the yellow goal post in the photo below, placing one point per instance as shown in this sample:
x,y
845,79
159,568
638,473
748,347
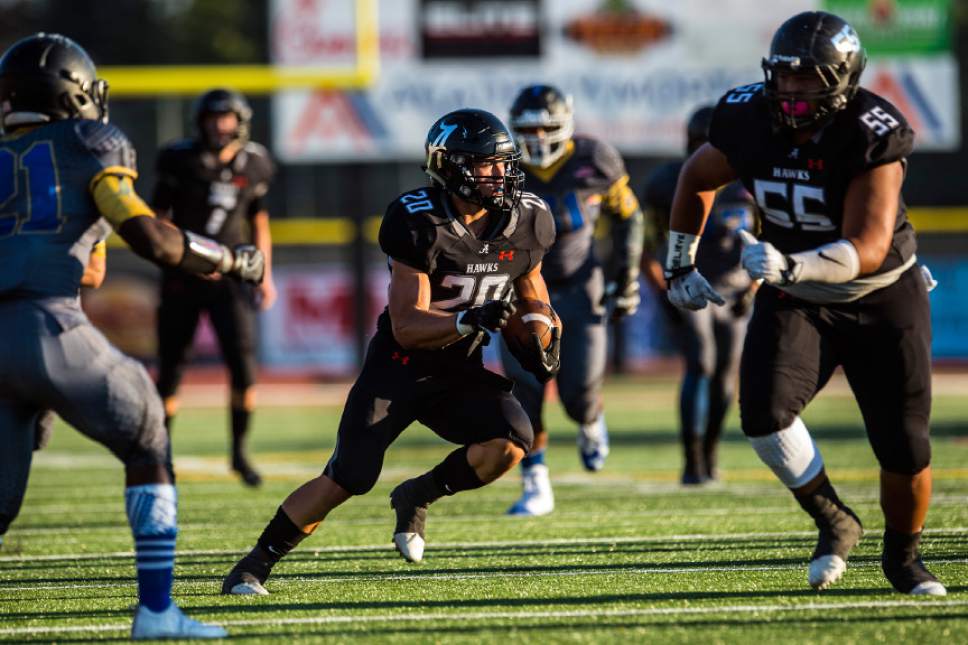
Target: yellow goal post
x,y
172,80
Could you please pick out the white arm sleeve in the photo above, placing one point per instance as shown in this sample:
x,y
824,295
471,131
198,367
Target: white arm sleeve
x,y
833,263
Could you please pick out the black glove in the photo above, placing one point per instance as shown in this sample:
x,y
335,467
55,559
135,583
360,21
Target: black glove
x,y
492,316
248,263
543,363
625,295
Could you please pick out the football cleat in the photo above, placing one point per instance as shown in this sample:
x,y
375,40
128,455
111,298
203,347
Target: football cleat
x,y
247,578
903,567
246,472
593,444
408,535
170,623
835,540
537,497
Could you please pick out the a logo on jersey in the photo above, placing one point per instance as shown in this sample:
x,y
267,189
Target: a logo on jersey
x,y
791,173
485,249
486,267
505,256
815,164
794,154
846,40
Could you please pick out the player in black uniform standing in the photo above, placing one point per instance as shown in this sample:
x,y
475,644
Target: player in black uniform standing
x,y
710,339
456,249
214,185
825,160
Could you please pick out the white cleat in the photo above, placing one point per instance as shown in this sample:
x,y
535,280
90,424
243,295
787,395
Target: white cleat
x,y
537,498
593,444
410,546
825,570
930,588
170,623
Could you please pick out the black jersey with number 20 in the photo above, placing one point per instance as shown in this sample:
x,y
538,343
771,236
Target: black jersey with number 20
x,y
420,229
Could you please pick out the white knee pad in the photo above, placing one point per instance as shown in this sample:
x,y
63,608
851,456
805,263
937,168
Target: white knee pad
x,y
790,454
152,509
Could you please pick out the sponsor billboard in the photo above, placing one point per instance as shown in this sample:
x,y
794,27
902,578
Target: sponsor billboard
x,y
636,69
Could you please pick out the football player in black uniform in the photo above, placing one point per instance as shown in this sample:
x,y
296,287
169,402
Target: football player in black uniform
x,y
709,339
456,249
825,160
214,184
582,179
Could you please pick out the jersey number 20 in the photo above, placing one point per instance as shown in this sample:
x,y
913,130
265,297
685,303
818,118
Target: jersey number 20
x,y
29,191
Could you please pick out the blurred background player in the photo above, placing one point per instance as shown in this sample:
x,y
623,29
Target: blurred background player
x,y
455,250
214,184
710,339
76,184
581,178
826,160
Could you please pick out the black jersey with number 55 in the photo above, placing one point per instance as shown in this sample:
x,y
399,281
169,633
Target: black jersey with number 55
x,y
421,229
800,188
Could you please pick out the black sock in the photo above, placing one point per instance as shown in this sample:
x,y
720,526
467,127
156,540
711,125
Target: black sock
x,y
279,537
455,474
822,503
168,420
240,428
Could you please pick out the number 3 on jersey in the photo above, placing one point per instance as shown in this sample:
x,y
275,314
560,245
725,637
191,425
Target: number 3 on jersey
x,y
36,209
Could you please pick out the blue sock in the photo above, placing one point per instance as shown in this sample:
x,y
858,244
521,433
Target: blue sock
x,y
152,514
534,458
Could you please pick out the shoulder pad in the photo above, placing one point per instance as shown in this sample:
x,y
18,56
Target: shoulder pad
x,y
542,221
734,118
262,165
407,233
608,160
107,143
884,133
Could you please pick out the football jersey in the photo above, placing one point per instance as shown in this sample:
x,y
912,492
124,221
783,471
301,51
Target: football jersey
x,y
720,247
422,230
575,192
209,197
49,221
800,188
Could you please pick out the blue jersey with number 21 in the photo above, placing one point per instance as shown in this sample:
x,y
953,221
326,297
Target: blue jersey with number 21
x,y
48,219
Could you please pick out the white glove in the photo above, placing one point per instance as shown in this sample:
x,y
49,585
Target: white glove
x,y
692,291
762,261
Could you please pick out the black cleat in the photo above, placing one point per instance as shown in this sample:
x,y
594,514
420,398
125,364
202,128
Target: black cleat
x,y
246,472
837,537
247,578
903,567
408,535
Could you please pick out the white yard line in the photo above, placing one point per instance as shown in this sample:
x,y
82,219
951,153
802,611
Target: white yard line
x,y
490,616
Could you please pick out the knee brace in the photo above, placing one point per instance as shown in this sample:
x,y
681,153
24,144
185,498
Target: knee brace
x,y
790,454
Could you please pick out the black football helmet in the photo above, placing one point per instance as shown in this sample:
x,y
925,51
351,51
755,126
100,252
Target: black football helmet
x,y
48,77
222,101
697,128
548,108
819,44
463,139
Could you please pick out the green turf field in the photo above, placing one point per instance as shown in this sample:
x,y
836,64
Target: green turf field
x,y
628,555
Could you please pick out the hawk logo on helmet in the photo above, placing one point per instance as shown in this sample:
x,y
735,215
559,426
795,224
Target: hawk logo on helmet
x,y
846,40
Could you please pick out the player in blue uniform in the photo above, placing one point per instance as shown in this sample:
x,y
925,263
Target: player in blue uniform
x,y
66,179
582,179
825,160
710,339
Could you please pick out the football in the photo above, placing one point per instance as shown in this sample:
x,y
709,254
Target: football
x,y
530,317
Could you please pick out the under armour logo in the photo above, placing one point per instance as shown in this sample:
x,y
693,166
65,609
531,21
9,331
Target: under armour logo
x,y
485,249
794,154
